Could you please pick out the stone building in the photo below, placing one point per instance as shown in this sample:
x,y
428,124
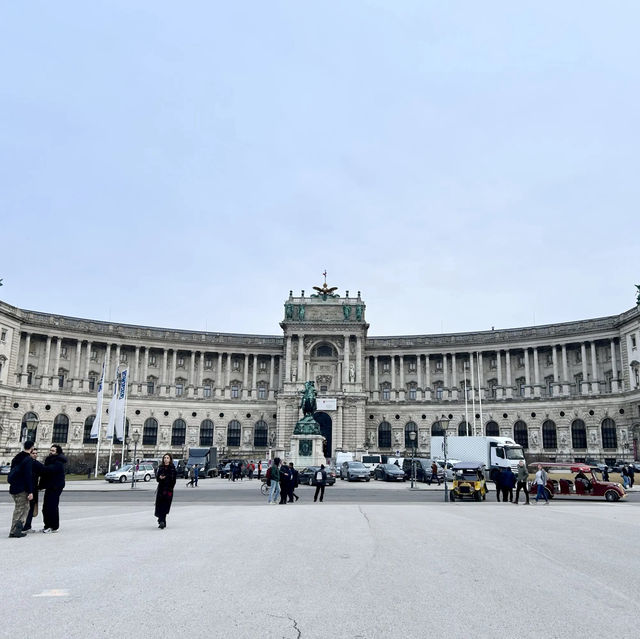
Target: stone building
x,y
565,391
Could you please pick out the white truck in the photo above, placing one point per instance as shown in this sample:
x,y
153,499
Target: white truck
x,y
493,452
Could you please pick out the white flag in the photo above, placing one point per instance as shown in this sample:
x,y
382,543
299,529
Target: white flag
x,y
121,402
97,422
112,409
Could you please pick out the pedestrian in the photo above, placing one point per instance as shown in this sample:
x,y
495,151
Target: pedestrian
x,y
625,476
285,482
605,473
38,469
166,476
53,479
321,480
293,483
196,474
259,470
21,488
632,473
497,480
508,482
191,474
541,481
434,473
273,480
522,477
250,468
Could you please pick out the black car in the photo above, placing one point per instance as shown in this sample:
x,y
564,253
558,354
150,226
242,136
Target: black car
x,y
308,476
388,472
423,470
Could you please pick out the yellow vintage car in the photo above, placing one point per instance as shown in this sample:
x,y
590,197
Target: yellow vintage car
x,y
468,481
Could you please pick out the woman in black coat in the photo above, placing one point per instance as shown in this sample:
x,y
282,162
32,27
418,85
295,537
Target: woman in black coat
x,y
37,470
166,476
53,483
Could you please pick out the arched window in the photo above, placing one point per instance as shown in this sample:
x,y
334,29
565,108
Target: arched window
x,y
521,434
150,432
384,435
88,425
206,433
260,434
117,440
233,433
609,435
549,435
25,433
410,427
578,434
324,350
437,430
178,432
463,429
60,429
492,429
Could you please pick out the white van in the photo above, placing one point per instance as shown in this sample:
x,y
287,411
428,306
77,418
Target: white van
x,y
371,461
341,458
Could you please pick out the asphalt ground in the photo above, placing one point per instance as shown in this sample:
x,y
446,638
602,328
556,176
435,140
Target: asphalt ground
x,y
374,569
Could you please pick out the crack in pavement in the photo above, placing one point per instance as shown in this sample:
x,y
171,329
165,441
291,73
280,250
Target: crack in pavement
x,y
295,623
364,515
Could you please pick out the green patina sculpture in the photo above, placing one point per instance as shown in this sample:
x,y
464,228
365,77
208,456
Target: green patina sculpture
x,y
288,311
305,448
359,313
307,425
301,312
346,311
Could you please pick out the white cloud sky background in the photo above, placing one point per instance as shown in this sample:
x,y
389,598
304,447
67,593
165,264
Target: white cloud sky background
x,y
464,165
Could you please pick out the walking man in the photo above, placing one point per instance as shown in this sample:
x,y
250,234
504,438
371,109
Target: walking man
x,y
293,482
522,477
321,479
274,479
21,488
540,482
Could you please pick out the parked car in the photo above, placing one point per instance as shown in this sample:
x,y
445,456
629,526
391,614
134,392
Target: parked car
x,y
388,472
423,470
308,475
354,471
450,464
468,481
600,465
144,473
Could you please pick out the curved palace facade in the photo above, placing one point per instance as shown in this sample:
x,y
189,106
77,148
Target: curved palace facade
x,y
565,391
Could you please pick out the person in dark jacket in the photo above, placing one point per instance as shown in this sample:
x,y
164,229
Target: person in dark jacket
x,y
53,483
294,482
321,480
496,475
286,477
166,476
21,488
38,469
508,483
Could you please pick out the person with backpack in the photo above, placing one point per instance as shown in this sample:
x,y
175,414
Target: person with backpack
x,y
321,480
21,488
273,480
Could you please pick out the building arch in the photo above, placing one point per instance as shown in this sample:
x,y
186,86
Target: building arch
x,y
60,433
150,432
436,429
463,429
549,435
609,434
233,433
384,435
86,434
521,434
260,434
578,434
410,427
178,432
206,433
492,429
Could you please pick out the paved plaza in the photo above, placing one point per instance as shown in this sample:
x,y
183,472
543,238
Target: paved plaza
x,y
367,570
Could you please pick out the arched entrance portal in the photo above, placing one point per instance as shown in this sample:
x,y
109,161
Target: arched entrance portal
x,y
326,428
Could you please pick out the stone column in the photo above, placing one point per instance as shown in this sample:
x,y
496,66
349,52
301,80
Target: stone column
x,y
394,392
401,394
287,361
585,375
614,368
454,378
345,367
56,366
301,378
376,383
191,382
219,384
556,385
25,360
565,371
108,377
339,443
145,370
536,372
481,389
200,380
172,379
245,377
507,366
87,364
359,359
595,387
117,356
445,376
472,368
367,368
45,372
254,377
228,380
75,384
427,377
271,377
419,371
500,389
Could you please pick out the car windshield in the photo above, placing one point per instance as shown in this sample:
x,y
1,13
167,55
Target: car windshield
x,y
467,474
356,465
391,467
126,469
514,453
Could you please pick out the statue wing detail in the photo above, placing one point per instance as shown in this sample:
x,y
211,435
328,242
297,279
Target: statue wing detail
x,y
317,288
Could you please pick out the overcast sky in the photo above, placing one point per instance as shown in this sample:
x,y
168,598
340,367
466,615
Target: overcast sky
x,y
463,164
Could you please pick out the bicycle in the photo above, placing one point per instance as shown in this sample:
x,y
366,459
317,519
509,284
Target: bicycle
x,y
264,489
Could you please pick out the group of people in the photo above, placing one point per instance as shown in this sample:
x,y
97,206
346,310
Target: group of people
x,y
27,477
240,470
283,479
506,480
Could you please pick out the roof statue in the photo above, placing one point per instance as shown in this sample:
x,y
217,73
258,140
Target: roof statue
x,y
637,298
325,291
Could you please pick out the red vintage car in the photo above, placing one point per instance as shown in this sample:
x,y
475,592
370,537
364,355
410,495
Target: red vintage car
x,y
574,481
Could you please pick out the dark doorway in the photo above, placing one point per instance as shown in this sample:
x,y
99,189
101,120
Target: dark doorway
x,y
326,428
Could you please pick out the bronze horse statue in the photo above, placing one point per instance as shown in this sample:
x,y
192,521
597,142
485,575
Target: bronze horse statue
x,y
308,402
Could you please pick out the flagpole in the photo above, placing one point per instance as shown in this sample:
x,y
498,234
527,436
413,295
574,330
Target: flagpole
x,y
466,409
480,396
99,418
473,394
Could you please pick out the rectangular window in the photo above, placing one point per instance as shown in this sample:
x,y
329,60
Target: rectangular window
x,y
150,388
29,378
413,394
633,342
152,360
235,364
386,367
439,365
63,352
549,359
123,358
180,362
262,392
262,365
412,366
3,335
439,392
94,356
235,391
578,357
520,361
206,390
92,383
61,381
179,389
323,389
493,363
386,393
208,362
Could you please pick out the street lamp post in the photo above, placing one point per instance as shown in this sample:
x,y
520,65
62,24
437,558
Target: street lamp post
x,y
412,437
32,423
444,424
135,437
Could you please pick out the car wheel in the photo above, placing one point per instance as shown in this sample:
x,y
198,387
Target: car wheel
x,y
476,495
375,477
147,477
368,479
122,479
611,495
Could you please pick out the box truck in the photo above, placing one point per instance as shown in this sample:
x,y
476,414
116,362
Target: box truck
x,y
493,452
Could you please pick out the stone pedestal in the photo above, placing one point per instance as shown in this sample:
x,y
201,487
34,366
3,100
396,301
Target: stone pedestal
x,y
307,450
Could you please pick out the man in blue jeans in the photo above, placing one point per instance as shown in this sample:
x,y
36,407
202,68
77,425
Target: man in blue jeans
x,y
274,478
540,482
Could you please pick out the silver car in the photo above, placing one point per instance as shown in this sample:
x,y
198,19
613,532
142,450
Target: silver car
x,y
354,471
144,473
